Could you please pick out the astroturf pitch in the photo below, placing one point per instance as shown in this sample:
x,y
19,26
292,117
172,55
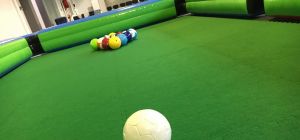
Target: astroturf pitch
x,y
213,78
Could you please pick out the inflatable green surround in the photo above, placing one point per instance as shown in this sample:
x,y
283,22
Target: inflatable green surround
x,y
13,54
217,6
282,7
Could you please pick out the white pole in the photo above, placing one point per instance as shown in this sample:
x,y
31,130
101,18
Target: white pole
x,y
38,14
103,6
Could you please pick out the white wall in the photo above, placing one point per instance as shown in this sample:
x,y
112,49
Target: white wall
x,y
82,6
53,10
114,2
99,5
11,24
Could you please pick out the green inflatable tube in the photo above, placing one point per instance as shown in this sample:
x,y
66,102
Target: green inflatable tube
x,y
235,7
13,54
12,47
68,40
282,7
133,18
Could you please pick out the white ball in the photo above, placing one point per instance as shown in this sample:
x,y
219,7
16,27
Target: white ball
x,y
99,42
147,124
133,33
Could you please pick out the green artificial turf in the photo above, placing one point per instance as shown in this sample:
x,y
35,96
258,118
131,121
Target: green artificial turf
x,y
212,78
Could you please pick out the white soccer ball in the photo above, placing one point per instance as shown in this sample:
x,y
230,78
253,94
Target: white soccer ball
x,y
147,124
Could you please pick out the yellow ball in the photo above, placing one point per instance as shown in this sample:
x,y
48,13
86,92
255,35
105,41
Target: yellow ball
x,y
115,42
112,35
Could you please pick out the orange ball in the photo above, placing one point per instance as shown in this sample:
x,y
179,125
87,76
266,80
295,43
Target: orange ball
x,y
105,43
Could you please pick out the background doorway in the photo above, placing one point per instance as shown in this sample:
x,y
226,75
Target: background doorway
x,y
30,14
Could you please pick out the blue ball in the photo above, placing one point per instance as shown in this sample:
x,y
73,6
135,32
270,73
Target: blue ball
x,y
123,38
128,35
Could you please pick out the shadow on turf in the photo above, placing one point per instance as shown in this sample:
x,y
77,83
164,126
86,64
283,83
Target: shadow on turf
x,y
286,19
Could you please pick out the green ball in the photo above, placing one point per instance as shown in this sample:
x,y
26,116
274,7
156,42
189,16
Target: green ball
x,y
93,43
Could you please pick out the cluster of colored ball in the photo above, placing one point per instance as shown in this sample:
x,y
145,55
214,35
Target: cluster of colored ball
x,y
114,40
